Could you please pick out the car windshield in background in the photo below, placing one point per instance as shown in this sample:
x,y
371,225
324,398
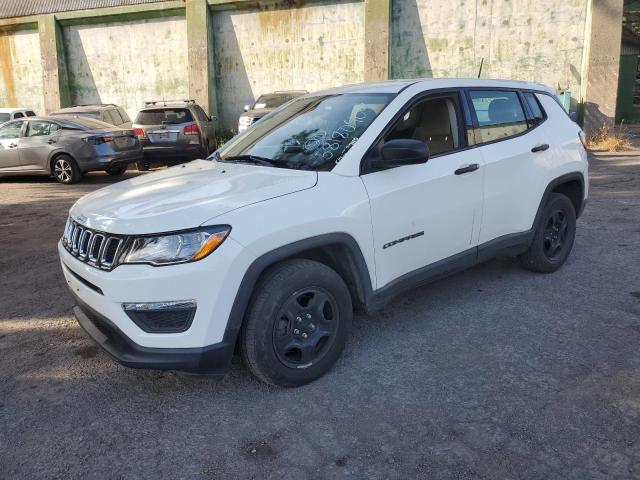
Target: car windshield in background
x,y
271,101
81,113
159,116
311,133
86,123
4,117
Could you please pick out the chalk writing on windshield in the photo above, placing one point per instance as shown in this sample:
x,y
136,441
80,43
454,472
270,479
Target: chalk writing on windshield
x,y
327,146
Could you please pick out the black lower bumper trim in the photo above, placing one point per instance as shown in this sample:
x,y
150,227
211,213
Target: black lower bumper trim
x,y
214,359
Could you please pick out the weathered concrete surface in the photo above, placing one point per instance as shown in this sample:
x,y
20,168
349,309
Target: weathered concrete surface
x,y
377,19
127,62
54,69
314,46
200,58
495,373
21,69
539,40
602,64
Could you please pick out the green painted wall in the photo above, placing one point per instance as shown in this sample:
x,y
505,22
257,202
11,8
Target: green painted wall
x,y
625,110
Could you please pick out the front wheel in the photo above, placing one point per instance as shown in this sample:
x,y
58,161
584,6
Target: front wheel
x,y
297,324
553,237
65,170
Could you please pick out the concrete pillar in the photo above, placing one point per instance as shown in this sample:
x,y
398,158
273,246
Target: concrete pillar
x,y
54,68
200,55
377,23
604,35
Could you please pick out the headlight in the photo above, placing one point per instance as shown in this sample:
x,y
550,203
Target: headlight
x,y
179,247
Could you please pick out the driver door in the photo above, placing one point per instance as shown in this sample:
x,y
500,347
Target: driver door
x,y
9,142
426,213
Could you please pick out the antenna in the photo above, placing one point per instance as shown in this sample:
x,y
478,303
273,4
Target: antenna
x,y
480,70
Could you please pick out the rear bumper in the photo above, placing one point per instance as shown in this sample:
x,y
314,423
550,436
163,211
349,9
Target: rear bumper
x,y
101,162
214,359
156,152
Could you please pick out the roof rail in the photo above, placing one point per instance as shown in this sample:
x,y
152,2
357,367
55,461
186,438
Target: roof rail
x,y
163,102
95,105
291,91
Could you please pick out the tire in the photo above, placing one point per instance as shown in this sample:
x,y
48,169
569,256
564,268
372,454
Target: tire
x,y
297,323
142,166
553,237
65,170
117,170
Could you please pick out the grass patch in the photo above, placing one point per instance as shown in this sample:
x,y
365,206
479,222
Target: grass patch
x,y
609,139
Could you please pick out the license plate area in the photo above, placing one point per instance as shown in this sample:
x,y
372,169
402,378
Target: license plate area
x,y
124,142
163,136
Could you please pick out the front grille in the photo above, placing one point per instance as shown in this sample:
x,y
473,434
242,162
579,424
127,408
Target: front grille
x,y
98,249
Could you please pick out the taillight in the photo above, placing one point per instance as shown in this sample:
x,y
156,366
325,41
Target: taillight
x,y
191,130
583,138
98,139
139,133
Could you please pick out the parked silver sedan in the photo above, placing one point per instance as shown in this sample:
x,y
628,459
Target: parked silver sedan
x,y
66,147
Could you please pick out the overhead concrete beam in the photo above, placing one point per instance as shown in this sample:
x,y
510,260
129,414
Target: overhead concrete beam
x,y
54,69
200,54
377,21
604,34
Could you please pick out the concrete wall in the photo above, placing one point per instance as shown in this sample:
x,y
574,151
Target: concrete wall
x,y
127,63
315,46
21,70
539,40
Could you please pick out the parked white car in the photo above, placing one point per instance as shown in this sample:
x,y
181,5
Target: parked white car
x,y
339,199
7,114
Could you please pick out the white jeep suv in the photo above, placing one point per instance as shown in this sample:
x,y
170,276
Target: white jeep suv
x,y
337,200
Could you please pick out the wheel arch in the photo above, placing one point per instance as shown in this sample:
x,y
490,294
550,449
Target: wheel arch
x,y
569,184
55,155
339,251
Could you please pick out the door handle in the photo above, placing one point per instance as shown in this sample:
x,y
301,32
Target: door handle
x,y
13,145
469,168
51,141
540,148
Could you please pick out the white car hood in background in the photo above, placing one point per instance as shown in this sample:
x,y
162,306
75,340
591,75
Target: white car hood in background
x,y
185,196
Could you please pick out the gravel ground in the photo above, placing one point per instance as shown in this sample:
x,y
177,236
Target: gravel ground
x,y
492,373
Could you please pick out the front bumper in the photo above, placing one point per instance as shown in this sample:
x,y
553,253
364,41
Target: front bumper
x,y
215,359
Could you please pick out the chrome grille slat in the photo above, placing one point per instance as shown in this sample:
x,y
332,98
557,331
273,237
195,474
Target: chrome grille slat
x,y
96,248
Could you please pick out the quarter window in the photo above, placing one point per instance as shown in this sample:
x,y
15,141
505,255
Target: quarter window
x,y
537,115
434,122
499,113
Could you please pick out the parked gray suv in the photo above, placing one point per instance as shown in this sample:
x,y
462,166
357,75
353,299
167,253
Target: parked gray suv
x,y
174,130
105,112
65,147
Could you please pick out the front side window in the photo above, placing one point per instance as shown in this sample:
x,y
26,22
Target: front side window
x,y
10,130
39,128
310,133
500,115
434,122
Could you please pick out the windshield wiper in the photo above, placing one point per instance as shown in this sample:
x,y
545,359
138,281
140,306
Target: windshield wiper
x,y
266,162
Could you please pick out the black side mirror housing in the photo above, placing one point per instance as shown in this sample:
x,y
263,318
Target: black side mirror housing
x,y
402,151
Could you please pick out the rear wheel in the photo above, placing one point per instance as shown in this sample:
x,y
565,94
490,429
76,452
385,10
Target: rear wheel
x,y
117,170
66,170
297,324
553,238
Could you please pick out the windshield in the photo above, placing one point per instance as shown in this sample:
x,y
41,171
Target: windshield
x,y
158,116
310,133
4,117
272,100
86,123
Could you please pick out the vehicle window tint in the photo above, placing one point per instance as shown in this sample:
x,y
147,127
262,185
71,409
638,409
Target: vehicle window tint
x,y
433,121
30,113
85,123
115,115
499,114
537,113
5,117
158,116
10,130
37,128
123,114
271,101
18,115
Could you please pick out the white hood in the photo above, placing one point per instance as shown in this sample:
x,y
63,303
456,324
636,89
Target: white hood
x,y
185,196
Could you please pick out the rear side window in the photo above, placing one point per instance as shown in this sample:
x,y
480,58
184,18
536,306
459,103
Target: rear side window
x,y
115,116
39,128
159,116
18,115
500,115
123,114
537,114
30,113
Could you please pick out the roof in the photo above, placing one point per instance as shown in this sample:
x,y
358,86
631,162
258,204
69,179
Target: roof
x,y
396,86
16,109
23,8
84,108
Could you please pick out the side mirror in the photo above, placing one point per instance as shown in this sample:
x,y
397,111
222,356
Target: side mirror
x,y
402,151
247,108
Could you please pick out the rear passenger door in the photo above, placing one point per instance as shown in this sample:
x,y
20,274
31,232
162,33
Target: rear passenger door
x,y
514,156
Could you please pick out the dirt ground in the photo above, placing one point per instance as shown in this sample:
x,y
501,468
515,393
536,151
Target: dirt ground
x,y
494,373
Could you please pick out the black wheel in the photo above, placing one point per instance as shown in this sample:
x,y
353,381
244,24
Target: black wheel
x,y
66,170
297,323
117,170
553,238
142,166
